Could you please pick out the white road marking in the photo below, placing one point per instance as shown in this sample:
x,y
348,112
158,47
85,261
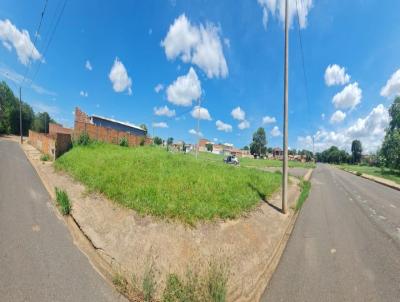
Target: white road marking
x,y
393,206
333,251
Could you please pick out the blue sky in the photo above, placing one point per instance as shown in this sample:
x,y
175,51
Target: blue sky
x,y
227,54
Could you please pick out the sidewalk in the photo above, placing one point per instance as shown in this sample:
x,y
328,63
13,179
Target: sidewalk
x,y
380,180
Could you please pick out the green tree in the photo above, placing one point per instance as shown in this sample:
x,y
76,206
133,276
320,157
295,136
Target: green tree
x,y
356,151
259,145
209,147
390,151
41,122
246,148
157,140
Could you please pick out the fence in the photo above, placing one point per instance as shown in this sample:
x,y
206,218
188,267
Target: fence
x,y
108,135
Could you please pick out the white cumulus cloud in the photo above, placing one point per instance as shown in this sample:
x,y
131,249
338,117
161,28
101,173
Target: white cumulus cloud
x,y
194,132
349,97
200,113
164,111
160,125
84,93
392,87
20,40
119,77
276,8
88,66
336,75
184,89
268,120
244,125
221,126
275,131
370,130
158,88
238,114
337,117
200,45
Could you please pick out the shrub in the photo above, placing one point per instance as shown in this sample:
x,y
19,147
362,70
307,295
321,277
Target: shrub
x,y
45,157
83,139
358,173
123,142
63,201
142,141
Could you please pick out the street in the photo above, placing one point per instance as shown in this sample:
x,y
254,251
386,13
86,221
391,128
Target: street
x,y
345,245
38,260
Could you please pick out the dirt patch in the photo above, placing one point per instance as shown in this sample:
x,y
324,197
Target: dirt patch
x,y
127,240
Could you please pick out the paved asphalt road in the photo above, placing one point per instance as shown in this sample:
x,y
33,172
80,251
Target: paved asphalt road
x,y
345,245
38,260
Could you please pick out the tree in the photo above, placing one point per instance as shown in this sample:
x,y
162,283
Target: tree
x,y
390,151
356,151
170,141
41,122
259,145
246,148
144,127
209,147
157,140
332,155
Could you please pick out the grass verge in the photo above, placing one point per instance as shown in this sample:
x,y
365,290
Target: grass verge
x,y
305,187
392,175
153,181
63,201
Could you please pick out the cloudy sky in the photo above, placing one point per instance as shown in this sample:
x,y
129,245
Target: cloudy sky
x,y
168,63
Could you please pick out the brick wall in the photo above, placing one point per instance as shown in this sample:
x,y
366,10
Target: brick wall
x,y
104,134
45,143
53,145
55,128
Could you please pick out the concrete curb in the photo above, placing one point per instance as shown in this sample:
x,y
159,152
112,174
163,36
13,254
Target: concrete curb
x,y
374,179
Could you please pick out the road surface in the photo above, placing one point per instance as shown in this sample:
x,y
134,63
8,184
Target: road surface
x,y
38,260
345,245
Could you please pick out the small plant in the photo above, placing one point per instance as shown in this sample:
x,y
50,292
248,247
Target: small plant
x,y
45,157
149,283
63,201
358,173
83,139
123,142
120,283
217,280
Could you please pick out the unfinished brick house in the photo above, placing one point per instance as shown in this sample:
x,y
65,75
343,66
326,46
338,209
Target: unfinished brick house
x,y
108,130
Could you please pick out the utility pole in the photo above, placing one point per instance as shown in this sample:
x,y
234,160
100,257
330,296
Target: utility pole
x,y
285,114
20,114
198,129
313,152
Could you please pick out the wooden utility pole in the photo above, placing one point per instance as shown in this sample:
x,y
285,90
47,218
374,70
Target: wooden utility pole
x,y
285,114
198,130
20,114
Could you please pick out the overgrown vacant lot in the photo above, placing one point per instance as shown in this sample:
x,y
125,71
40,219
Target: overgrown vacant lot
x,y
375,171
153,181
257,163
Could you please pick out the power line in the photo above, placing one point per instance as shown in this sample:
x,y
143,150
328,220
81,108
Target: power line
x,y
35,40
51,37
303,62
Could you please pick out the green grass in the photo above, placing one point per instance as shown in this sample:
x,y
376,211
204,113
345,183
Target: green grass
x,y
153,181
305,187
63,201
256,163
375,171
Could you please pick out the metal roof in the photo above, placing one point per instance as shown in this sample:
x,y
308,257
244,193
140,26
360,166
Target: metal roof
x,y
118,122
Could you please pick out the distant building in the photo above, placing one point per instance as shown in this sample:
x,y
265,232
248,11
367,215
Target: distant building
x,y
277,153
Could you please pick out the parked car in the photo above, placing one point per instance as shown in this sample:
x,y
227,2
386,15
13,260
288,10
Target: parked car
x,y
231,159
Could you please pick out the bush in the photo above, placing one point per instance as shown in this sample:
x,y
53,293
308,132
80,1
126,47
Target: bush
x,y
45,157
63,201
123,142
83,139
142,141
358,173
